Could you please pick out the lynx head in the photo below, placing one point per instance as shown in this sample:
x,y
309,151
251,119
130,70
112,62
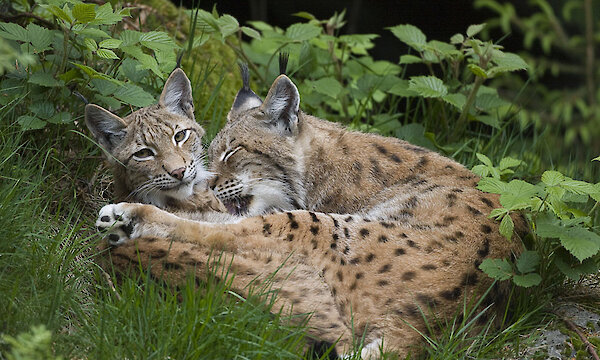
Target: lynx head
x,y
257,155
155,152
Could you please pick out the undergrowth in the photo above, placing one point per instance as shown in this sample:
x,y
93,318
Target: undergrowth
x,y
57,302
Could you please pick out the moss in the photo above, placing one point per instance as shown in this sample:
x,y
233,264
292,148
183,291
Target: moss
x,y
595,341
582,355
164,15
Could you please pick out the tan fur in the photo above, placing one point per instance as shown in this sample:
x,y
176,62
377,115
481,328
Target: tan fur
x,y
391,229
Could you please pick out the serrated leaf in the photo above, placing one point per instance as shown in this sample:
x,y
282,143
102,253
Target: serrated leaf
x,y
484,159
473,30
95,74
30,122
457,39
498,269
481,170
110,43
251,32
90,44
410,35
400,88
40,38
42,109
84,13
12,31
528,261
302,32
130,37
427,86
488,102
573,270
552,178
509,162
410,59
527,280
547,226
106,54
327,86
58,12
157,40
457,100
577,186
580,242
508,62
518,193
147,61
60,118
507,226
478,71
134,95
491,185
44,79
228,25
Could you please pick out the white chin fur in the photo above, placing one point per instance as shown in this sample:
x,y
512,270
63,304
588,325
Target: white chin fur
x,y
182,192
268,196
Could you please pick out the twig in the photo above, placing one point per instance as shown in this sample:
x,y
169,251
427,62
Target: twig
x,y
588,345
110,283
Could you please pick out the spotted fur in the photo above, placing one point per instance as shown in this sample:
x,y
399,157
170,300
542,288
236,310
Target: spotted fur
x,y
388,230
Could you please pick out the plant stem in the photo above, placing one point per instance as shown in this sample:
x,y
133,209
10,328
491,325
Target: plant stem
x,y
461,123
589,52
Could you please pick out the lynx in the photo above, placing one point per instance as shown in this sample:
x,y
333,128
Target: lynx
x,y
156,153
363,232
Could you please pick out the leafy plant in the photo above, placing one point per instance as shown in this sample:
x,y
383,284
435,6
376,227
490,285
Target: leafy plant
x,y
83,47
562,237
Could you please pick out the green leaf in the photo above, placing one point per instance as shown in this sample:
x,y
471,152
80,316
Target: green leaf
x,y
95,74
302,32
508,62
147,61
577,187
60,118
84,13
58,12
305,15
42,109
528,261
427,86
573,269
251,32
552,178
410,35
90,44
478,71
507,226
227,25
457,39
110,43
134,95
40,38
484,159
157,40
509,162
130,37
400,88
410,59
106,54
473,30
518,193
30,122
44,79
527,280
491,185
457,100
488,102
596,159
12,31
327,86
580,242
498,269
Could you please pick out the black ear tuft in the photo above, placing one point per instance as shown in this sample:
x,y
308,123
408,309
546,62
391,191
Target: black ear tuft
x,y
283,62
108,129
245,99
176,96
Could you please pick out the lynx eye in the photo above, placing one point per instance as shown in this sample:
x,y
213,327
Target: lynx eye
x,y
181,136
144,154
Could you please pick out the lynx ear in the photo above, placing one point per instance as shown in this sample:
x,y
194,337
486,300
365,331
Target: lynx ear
x,y
282,105
108,129
176,96
245,99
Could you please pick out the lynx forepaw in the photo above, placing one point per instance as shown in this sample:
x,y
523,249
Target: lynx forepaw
x,y
116,221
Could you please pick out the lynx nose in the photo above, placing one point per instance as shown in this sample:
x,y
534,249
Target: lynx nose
x,y
178,173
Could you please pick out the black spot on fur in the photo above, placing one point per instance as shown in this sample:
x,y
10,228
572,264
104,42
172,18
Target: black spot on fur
x,y
335,223
451,199
486,229
487,201
375,169
370,257
395,158
451,294
383,239
412,244
410,310
314,229
409,275
430,188
158,254
473,211
386,224
346,233
459,234
342,261
399,251
172,266
422,161
381,149
314,216
359,275
485,249
105,218
340,276
364,232
476,264
335,237
382,282
314,244
355,261
450,238
469,279
385,268
411,203
333,245
354,285
427,300
267,229
290,237
403,235
293,222
428,267
346,249
348,219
